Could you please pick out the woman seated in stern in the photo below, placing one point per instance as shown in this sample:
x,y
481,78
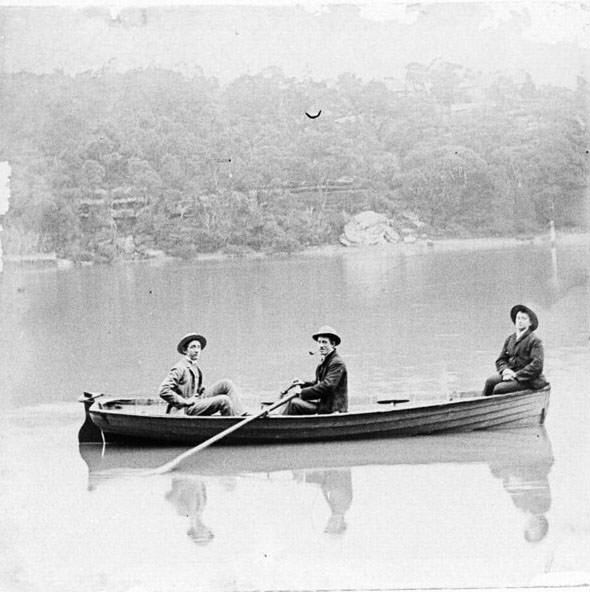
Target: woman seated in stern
x,y
520,365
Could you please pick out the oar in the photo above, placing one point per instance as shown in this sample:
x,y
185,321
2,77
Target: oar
x,y
170,466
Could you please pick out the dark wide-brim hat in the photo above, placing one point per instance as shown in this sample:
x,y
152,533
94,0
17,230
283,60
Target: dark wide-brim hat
x,y
326,331
522,308
181,347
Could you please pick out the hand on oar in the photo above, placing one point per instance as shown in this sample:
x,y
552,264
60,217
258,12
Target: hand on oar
x,y
296,382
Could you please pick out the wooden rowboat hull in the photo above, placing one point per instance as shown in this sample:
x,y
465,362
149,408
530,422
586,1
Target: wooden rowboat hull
x,y
146,420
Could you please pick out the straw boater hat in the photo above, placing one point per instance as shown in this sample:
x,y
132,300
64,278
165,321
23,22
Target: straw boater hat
x,y
181,347
522,308
326,331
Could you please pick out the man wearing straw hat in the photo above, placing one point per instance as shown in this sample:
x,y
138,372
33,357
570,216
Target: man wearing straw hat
x,y
328,393
183,386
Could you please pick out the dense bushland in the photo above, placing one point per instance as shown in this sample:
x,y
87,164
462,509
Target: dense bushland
x,y
108,164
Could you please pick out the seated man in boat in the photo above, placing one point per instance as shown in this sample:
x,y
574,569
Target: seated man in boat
x,y
183,386
328,393
520,364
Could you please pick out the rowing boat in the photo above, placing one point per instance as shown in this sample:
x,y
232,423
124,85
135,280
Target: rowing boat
x,y
145,419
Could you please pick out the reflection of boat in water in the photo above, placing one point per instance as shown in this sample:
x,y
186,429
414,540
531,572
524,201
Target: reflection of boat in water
x,y
520,446
522,459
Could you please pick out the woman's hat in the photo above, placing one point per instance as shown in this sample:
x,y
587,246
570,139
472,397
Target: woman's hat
x,y
181,347
326,331
522,308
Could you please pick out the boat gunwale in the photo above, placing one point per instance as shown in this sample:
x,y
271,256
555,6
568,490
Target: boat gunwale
x,y
101,408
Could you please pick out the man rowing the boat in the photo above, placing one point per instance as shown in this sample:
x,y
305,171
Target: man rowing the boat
x,y
183,386
328,393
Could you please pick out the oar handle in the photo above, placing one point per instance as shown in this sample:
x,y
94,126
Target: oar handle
x,y
169,466
294,384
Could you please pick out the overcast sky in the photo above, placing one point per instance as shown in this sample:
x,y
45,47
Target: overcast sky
x,y
551,40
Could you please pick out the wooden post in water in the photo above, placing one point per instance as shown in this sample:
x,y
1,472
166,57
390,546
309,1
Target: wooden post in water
x,y
4,199
1,259
552,233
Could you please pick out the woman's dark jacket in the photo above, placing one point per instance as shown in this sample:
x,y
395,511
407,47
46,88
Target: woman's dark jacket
x,y
525,357
330,388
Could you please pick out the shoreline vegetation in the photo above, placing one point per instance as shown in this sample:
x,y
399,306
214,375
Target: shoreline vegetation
x,y
107,166
420,246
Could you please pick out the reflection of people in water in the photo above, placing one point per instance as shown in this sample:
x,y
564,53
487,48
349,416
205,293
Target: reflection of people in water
x,y
528,486
189,496
336,486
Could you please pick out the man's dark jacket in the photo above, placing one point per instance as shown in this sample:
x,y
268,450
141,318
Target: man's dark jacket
x,y
330,388
525,357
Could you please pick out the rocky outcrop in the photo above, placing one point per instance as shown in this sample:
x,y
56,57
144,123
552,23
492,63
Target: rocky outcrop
x,y
368,228
372,228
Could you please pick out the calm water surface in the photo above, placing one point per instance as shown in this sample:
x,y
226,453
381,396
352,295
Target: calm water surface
x,y
482,509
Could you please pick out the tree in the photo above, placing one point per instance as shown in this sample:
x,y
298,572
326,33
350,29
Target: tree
x,y
447,185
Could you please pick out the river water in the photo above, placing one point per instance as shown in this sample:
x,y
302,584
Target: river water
x,y
489,509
